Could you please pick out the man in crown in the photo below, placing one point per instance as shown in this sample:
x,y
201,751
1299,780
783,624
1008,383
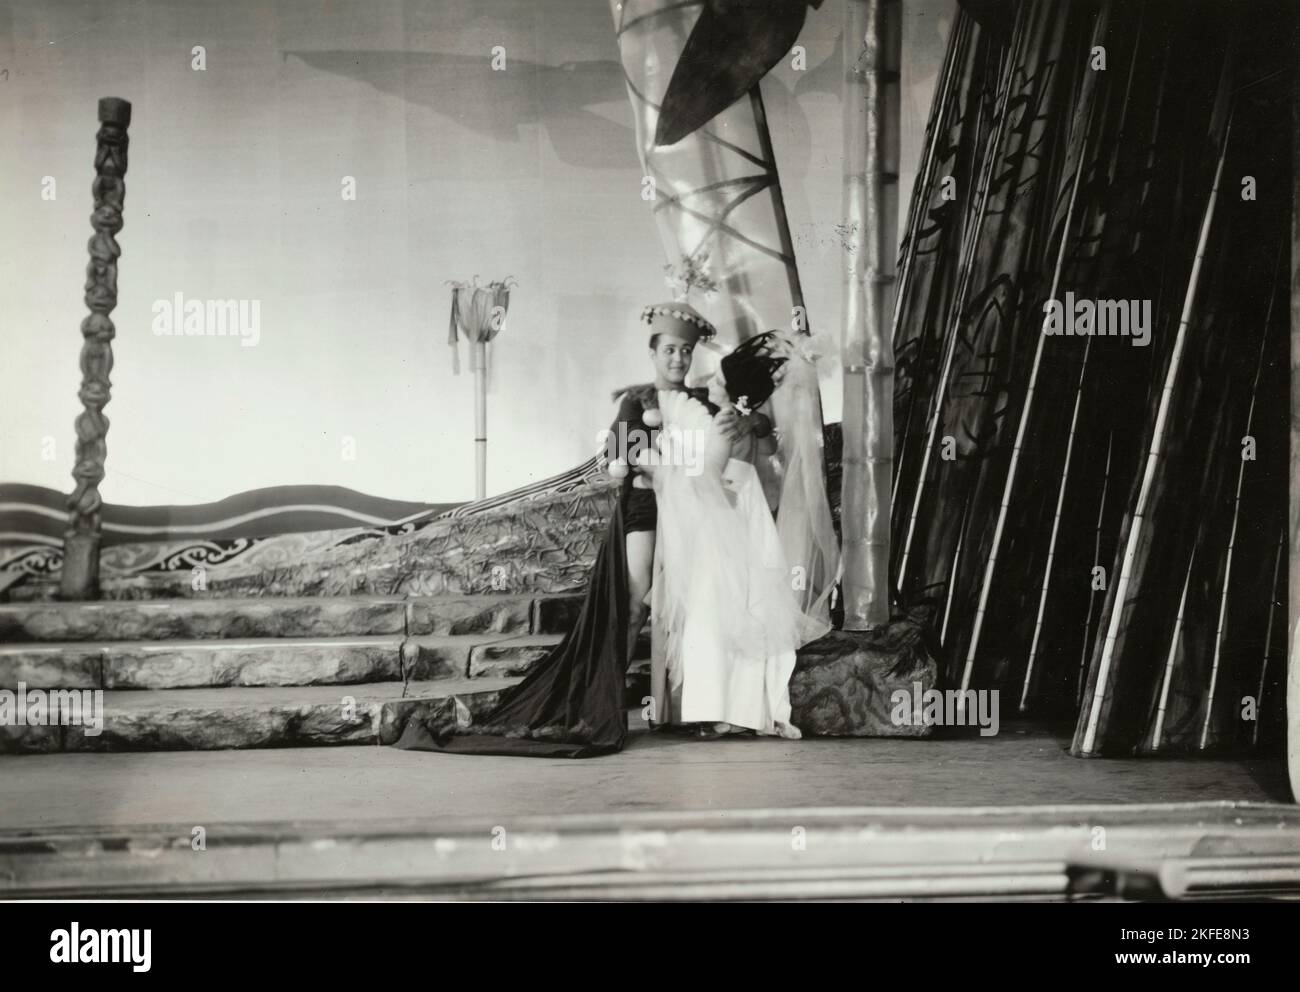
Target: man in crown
x,y
676,329
722,596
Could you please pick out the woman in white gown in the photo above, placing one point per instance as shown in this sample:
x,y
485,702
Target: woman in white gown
x,y
735,594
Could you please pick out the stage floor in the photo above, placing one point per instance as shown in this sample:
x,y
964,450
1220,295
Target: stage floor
x,y
1025,764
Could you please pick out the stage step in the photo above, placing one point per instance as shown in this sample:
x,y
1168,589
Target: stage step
x,y
308,616
279,661
260,716
201,674
297,716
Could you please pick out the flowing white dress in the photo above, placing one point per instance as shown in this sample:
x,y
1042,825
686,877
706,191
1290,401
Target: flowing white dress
x,y
730,601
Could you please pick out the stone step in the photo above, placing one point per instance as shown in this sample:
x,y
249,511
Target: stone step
x,y
218,719
253,716
308,616
267,661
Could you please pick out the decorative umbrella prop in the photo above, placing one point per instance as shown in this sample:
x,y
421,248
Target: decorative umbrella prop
x,y
480,313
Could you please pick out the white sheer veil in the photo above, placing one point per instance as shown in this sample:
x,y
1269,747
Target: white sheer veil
x,y
803,516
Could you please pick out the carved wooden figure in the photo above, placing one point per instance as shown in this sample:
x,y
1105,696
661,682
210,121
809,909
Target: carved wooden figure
x,y
80,579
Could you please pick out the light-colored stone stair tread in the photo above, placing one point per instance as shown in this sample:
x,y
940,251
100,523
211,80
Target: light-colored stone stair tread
x,y
501,640
247,617
259,717
247,643
195,605
147,665
224,604
136,701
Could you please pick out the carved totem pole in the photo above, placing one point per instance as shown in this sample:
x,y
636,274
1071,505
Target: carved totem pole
x,y
80,579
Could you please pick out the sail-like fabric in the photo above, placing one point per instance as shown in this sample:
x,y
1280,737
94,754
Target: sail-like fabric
x,y
716,192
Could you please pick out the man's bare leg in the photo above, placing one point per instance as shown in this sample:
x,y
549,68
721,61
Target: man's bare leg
x,y
640,562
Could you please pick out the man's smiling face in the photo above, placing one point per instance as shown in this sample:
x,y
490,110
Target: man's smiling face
x,y
672,358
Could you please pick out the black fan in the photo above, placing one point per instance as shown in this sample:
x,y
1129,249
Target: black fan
x,y
750,370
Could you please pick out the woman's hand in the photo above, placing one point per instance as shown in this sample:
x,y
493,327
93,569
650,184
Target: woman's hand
x,y
733,427
730,425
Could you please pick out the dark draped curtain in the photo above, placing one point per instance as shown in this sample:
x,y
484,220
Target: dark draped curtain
x,y
1099,525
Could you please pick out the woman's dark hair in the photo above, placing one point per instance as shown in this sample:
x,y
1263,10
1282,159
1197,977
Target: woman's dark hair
x,y
748,370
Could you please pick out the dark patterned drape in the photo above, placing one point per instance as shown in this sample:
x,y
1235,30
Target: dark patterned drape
x,y
1098,523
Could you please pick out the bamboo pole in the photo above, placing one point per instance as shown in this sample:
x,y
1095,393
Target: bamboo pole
x,y
1170,658
952,574
959,299
1268,639
1293,558
80,575
1232,532
1056,527
1086,651
1031,391
871,50
933,127
1074,419
1153,457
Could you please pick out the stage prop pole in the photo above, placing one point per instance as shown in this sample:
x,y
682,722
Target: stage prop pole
x,y
1293,564
478,313
1221,628
1056,521
969,247
80,575
1088,98
920,192
480,420
872,50
1268,633
1089,729
1085,652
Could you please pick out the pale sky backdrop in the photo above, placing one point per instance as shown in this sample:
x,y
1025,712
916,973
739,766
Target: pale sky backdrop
x,y
234,191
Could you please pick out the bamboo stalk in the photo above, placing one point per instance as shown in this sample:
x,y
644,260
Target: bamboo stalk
x,y
968,251
934,126
1232,533
1074,418
952,575
1268,638
1293,500
867,344
1086,651
1031,391
1170,659
1153,457
1056,527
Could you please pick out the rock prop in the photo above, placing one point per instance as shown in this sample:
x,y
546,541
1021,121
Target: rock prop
x,y
843,682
